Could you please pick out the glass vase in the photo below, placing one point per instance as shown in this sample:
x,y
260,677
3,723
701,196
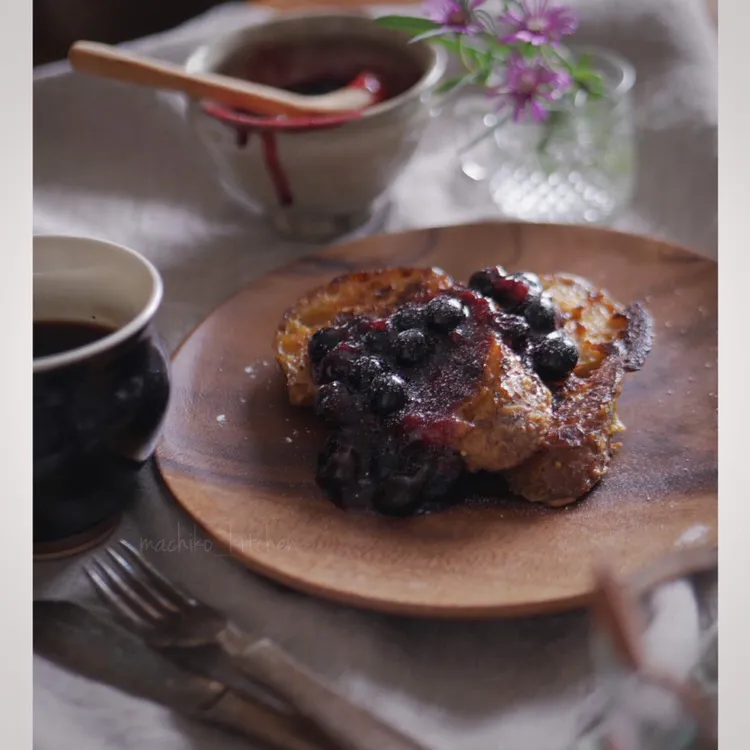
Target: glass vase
x,y
578,167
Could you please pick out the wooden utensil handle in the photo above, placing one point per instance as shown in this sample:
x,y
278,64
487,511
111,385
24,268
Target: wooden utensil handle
x,y
111,62
259,723
349,725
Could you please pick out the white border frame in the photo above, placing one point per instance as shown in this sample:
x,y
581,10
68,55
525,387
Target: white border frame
x,y
734,377
15,299
16,448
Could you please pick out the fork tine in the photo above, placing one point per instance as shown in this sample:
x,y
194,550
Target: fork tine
x,y
123,591
145,587
164,585
112,600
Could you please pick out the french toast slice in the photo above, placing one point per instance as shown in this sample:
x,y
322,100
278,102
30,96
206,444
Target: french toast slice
x,y
486,405
372,293
506,417
612,340
475,395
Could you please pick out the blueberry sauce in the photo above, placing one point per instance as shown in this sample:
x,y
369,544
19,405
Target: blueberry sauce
x,y
390,387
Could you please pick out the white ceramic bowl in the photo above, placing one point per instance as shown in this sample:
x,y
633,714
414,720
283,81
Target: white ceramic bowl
x,y
320,178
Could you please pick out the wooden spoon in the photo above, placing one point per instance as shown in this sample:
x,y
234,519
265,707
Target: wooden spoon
x,y
111,62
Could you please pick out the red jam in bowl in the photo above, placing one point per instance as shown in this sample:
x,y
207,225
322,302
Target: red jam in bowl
x,y
320,67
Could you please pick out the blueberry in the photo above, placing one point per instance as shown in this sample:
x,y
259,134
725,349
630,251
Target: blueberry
x,y
387,393
483,281
336,365
541,314
322,342
445,313
555,356
412,347
388,458
399,496
408,316
339,462
342,473
513,328
334,402
444,471
363,370
377,341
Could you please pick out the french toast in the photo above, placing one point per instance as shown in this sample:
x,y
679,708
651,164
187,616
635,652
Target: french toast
x,y
611,340
414,381
422,379
369,293
498,410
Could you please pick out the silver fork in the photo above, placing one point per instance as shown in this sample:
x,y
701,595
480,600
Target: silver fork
x,y
170,620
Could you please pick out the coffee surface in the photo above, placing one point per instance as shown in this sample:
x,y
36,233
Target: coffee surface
x,y
58,336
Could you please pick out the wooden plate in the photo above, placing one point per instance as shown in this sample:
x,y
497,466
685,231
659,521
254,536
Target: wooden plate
x,y
240,460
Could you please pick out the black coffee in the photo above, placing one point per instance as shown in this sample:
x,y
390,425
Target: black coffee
x,y
96,421
57,336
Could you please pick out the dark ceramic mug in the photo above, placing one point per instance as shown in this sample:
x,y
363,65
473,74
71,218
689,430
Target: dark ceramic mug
x,y
101,385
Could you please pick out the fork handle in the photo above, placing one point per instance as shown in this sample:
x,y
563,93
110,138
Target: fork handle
x,y
347,724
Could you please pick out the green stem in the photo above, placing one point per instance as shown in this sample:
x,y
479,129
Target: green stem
x,y
478,139
463,55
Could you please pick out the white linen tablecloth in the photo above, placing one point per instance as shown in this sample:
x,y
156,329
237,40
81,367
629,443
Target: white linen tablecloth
x,y
117,162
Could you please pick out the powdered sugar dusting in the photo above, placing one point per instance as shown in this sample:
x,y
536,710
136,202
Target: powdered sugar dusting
x,y
693,534
252,370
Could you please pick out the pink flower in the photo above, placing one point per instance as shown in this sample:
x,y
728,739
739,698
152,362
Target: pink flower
x,y
530,86
455,15
536,23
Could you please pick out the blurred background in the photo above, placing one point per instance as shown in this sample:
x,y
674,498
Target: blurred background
x,y
58,23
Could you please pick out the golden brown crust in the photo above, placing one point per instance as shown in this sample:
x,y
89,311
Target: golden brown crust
x,y
368,292
579,444
509,414
591,317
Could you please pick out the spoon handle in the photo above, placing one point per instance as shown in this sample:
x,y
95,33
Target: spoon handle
x,y
111,62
